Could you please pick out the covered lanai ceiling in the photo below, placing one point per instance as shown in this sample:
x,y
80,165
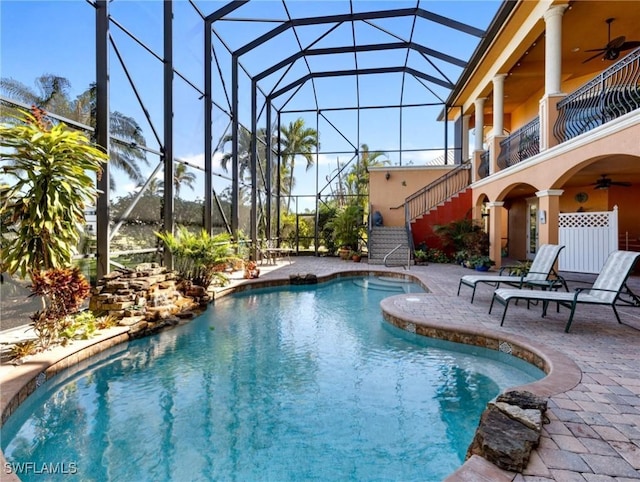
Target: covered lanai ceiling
x,y
353,64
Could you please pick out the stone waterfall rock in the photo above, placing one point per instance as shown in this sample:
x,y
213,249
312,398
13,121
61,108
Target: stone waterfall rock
x,y
509,430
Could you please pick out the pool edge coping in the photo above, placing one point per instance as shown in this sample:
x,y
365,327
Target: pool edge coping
x,y
549,360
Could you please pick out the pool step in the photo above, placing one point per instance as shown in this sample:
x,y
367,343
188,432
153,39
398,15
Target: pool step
x,y
382,283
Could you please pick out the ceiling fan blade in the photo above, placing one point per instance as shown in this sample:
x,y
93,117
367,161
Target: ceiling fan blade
x,y
620,183
631,44
596,50
592,57
616,42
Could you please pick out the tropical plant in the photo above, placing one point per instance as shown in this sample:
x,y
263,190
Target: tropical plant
x,y
244,152
51,93
348,227
52,168
64,290
80,326
357,180
200,258
463,235
326,212
297,140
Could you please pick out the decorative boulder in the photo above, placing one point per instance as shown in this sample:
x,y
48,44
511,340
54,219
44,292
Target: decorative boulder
x,y
303,279
509,430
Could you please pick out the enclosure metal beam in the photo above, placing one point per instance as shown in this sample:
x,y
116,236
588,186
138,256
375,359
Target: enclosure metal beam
x,y
235,191
208,134
268,186
227,9
168,125
253,225
349,17
102,135
278,180
360,48
379,70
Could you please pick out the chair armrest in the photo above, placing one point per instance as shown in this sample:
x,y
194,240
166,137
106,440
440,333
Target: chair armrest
x,y
580,290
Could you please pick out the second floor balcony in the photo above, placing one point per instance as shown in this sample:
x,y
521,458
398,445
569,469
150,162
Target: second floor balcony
x,y
612,94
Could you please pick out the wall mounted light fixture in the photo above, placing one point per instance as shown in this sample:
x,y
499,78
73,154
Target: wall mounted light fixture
x,y
387,176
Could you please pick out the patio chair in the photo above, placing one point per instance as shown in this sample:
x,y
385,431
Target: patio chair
x,y
540,275
609,287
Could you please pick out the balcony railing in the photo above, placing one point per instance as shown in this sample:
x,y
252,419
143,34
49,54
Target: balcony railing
x,y
521,145
483,168
438,191
615,92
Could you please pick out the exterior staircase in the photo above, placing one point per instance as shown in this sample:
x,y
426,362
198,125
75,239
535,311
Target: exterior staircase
x,y
456,207
383,239
446,199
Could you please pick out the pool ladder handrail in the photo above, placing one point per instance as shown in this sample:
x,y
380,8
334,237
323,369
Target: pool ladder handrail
x,y
393,251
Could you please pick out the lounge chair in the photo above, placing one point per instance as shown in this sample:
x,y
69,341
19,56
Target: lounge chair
x,y
538,275
609,287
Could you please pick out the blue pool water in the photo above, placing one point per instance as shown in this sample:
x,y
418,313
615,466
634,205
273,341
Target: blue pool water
x,y
292,384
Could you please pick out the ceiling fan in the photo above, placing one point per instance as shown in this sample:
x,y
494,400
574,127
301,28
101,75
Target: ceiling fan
x,y
612,50
605,183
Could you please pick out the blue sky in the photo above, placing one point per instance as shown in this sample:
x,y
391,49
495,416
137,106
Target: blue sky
x,y
57,37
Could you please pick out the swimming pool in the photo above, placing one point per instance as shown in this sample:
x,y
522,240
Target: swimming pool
x,y
276,384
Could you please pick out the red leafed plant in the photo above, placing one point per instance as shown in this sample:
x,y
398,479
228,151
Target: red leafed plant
x,y
64,290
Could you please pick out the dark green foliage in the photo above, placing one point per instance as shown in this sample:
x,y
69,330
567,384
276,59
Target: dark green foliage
x,y
348,226
463,236
200,258
327,211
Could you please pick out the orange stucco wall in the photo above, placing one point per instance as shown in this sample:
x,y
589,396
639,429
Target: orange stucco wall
x,y
628,201
385,194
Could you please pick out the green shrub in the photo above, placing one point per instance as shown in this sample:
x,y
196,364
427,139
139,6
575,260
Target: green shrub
x,y
200,258
435,255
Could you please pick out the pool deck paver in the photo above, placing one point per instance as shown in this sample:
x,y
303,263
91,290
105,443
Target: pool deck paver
x,y
593,432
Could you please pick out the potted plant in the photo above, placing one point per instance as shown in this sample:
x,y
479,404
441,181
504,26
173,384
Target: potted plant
x,y
420,256
356,256
482,263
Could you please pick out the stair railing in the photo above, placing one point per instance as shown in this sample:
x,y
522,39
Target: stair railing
x,y
386,256
425,199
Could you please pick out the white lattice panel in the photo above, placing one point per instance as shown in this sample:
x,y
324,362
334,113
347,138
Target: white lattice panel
x,y
585,220
588,239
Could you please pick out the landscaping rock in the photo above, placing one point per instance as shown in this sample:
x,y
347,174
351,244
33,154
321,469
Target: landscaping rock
x,y
303,279
503,441
523,399
146,299
509,430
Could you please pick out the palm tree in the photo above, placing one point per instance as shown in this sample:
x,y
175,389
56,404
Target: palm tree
x,y
51,94
357,180
297,140
182,176
244,152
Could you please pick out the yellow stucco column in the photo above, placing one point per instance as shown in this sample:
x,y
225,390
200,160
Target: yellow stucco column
x,y
548,116
495,231
548,215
